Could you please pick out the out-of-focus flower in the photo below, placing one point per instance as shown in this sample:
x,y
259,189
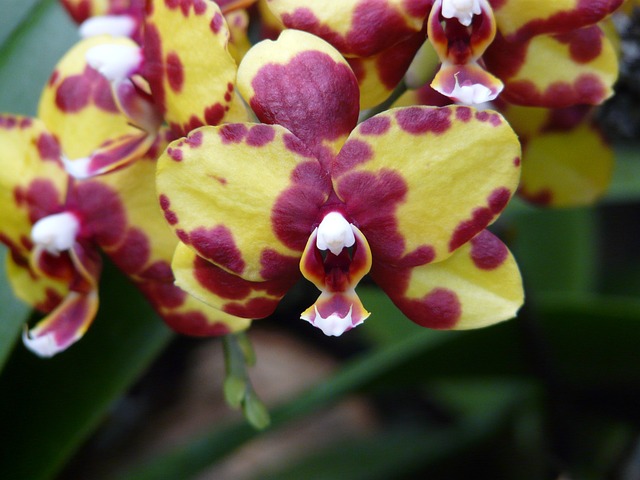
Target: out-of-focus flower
x,y
55,226
405,195
566,161
545,53
164,79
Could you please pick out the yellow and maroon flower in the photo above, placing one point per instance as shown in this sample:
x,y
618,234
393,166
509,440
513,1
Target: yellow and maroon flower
x,y
405,195
55,227
164,80
543,53
378,37
566,161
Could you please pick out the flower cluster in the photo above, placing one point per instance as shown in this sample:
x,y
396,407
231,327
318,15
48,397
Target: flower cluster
x,y
166,141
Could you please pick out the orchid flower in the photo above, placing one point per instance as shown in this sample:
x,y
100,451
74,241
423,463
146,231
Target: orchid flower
x,y
405,196
566,161
57,226
538,53
162,81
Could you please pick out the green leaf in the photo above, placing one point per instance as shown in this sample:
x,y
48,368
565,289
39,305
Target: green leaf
x,y
403,451
13,313
49,406
624,184
30,52
556,249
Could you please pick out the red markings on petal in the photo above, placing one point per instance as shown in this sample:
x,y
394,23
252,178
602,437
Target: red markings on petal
x,y
48,147
102,212
354,152
260,135
134,252
487,116
216,22
463,114
175,154
487,251
480,218
195,324
312,96
77,91
586,89
218,245
40,198
175,72
233,132
254,308
377,125
416,120
219,281
439,309
296,210
585,44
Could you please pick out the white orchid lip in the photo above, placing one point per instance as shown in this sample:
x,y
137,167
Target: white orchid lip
x,y
334,325
115,62
335,233
114,25
471,93
463,10
56,233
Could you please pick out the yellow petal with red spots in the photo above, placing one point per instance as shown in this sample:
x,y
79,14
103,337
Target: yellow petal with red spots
x,y
41,292
239,43
477,286
121,209
378,75
355,27
225,291
421,181
243,196
77,105
63,326
188,64
304,84
566,168
80,10
520,19
579,67
33,183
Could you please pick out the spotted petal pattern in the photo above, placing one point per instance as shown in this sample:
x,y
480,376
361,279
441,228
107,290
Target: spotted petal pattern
x,y
579,67
225,205
355,27
78,107
303,84
188,64
478,285
521,19
433,177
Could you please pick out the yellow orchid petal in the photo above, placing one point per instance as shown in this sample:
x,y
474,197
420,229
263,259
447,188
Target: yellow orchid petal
x,y
77,105
304,84
63,326
378,75
42,292
80,10
188,64
239,43
225,291
355,27
566,168
520,19
244,196
477,286
579,67
33,183
421,181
